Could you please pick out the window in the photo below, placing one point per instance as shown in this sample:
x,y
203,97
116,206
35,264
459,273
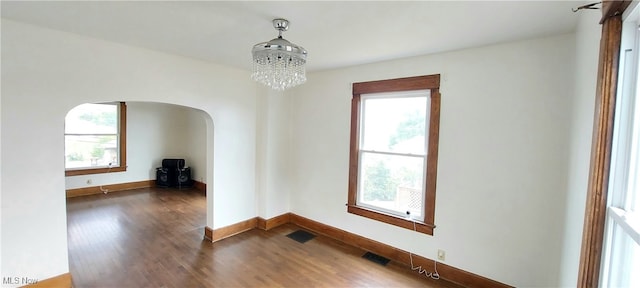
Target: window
x,y
621,253
95,139
394,151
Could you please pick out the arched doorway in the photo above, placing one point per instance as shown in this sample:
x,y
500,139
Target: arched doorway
x,y
154,131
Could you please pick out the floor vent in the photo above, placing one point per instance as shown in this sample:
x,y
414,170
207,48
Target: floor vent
x,y
375,258
301,236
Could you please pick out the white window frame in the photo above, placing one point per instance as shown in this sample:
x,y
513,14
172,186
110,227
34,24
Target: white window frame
x,y
391,95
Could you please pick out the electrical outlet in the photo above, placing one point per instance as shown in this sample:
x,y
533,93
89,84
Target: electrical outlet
x,y
440,255
89,181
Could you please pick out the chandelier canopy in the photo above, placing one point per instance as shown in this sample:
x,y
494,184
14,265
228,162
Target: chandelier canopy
x,y
279,63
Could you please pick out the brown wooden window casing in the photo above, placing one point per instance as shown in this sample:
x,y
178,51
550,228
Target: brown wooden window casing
x,y
426,223
122,149
602,139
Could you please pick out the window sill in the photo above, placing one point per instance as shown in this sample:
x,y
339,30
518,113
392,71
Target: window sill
x,y
94,171
392,219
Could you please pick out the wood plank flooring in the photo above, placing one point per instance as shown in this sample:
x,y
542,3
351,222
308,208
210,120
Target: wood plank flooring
x,y
153,237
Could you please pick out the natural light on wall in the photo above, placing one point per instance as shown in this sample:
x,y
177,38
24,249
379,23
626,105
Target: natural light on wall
x,y
91,136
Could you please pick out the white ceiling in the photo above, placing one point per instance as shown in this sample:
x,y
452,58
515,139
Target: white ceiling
x,y
335,34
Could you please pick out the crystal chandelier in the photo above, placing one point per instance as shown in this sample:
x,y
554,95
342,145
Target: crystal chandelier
x,y
279,63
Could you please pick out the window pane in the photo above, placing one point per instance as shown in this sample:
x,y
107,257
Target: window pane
x,y
392,182
91,151
624,262
92,119
633,199
395,124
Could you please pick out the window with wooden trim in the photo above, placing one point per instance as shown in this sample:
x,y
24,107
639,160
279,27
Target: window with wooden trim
x,y
621,253
394,151
95,139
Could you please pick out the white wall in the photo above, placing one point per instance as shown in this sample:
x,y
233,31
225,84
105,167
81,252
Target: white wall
x,y
182,125
501,190
274,153
156,131
45,73
588,34
194,143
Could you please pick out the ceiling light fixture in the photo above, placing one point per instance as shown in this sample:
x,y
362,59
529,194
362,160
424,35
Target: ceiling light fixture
x,y
279,63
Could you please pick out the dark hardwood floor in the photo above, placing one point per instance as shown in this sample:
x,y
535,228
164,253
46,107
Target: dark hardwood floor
x,y
154,238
